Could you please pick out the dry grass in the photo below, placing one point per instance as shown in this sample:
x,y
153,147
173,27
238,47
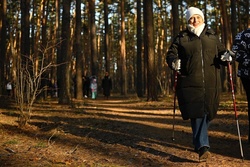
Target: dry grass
x,y
117,132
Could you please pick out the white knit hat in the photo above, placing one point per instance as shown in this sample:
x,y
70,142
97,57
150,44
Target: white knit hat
x,y
192,11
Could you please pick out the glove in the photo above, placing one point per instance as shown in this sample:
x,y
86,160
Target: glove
x,y
227,56
176,64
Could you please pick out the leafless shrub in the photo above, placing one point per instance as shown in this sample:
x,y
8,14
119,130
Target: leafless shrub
x,y
28,83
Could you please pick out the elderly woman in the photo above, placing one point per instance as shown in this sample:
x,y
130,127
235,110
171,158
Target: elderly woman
x,y
196,53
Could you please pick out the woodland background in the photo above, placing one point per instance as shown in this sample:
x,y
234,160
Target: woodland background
x,y
45,42
67,39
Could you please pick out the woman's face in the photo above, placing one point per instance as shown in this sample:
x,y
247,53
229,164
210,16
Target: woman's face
x,y
196,20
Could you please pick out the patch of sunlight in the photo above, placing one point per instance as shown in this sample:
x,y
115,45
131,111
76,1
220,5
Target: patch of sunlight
x,y
131,112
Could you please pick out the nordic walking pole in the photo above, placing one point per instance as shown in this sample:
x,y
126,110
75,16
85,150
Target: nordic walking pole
x,y
235,111
175,83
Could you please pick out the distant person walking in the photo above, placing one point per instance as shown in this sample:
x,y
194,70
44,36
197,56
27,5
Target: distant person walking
x,y
9,88
86,86
106,85
93,88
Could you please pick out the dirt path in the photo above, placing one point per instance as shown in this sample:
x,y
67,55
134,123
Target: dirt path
x,y
116,132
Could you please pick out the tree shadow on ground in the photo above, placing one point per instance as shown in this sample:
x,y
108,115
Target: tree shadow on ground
x,y
135,129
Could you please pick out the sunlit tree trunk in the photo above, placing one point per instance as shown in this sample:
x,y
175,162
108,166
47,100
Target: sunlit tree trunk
x,y
227,36
79,91
123,52
36,35
226,39
3,9
36,30
14,48
53,40
160,57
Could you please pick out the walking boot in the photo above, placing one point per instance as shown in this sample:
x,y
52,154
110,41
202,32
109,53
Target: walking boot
x,y
203,154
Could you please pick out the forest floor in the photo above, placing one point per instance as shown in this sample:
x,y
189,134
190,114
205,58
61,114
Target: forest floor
x,y
118,132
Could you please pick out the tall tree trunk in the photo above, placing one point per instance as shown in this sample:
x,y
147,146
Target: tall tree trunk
x,y
160,49
149,47
45,78
123,52
36,31
176,28
234,26
247,14
53,41
227,40
175,14
25,33
58,48
106,44
227,36
64,78
92,26
79,58
145,51
139,86
3,17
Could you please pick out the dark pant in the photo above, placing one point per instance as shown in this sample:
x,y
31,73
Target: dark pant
x,y
246,83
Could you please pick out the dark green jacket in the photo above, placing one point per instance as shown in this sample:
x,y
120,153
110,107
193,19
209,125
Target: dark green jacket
x,y
199,83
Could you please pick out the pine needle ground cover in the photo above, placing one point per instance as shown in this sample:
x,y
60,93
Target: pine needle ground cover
x,y
117,132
